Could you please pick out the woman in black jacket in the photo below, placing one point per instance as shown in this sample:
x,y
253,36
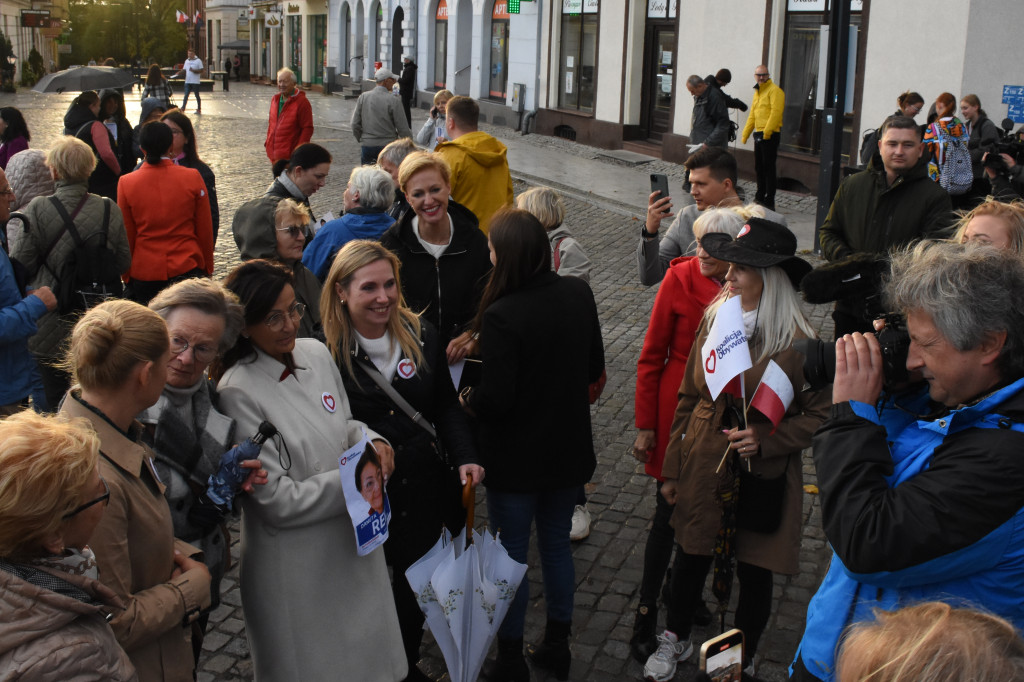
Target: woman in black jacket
x,y
984,134
443,252
377,340
185,153
540,339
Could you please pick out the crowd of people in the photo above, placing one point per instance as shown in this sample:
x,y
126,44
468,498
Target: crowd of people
x,y
452,327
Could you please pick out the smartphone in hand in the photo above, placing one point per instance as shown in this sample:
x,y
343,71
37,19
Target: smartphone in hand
x,y
722,657
659,183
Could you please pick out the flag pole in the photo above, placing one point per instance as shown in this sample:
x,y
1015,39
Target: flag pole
x,y
743,400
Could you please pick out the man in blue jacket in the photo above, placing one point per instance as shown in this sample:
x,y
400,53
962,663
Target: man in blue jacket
x,y
18,315
922,493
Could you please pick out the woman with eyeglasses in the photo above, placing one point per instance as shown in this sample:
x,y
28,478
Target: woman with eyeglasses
x,y
118,358
314,609
189,435
52,607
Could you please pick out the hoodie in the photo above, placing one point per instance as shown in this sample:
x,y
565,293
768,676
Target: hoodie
x,y
480,177
80,122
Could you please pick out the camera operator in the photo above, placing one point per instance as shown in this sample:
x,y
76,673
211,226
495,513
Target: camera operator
x,y
1005,175
922,492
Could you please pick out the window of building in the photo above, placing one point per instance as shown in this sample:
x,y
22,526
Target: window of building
x,y
318,26
295,46
441,45
499,50
578,55
804,65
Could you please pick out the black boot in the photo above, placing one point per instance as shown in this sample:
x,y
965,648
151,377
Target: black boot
x,y
510,665
553,653
644,642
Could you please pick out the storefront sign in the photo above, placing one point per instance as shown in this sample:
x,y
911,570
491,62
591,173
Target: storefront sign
x,y
821,5
272,19
572,6
590,6
500,10
442,11
35,18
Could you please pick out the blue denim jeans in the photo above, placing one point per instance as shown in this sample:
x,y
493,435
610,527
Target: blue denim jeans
x,y
513,514
193,88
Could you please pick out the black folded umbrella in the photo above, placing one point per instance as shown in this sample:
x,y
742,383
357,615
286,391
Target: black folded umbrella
x,y
81,78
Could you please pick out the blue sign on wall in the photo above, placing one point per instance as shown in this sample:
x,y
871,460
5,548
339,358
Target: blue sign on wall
x,y
1013,97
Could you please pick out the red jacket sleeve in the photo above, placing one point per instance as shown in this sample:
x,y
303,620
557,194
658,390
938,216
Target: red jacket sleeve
x,y
271,125
129,219
305,122
655,352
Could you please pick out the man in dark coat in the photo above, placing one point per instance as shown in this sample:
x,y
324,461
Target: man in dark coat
x,y
709,122
407,85
884,207
718,81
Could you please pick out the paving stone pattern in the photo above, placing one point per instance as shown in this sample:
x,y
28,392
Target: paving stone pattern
x,y
621,497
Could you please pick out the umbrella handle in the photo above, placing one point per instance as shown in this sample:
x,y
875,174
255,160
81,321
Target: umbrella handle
x,y
469,502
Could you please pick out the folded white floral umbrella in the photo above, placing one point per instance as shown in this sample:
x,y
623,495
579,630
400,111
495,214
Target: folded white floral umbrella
x,y
465,594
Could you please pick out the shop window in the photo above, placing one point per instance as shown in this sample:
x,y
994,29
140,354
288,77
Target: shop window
x,y
441,45
577,68
499,50
804,62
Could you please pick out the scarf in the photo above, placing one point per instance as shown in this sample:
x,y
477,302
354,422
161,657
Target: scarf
x,y
72,561
189,434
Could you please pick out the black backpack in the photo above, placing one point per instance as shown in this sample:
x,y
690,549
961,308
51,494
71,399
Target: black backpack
x,y
90,274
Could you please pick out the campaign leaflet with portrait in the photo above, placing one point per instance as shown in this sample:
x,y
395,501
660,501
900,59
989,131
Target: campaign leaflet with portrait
x,y
362,480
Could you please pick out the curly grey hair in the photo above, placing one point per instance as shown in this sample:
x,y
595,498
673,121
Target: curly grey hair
x,y
969,291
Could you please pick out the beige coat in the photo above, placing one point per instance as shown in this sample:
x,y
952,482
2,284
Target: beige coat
x,y
46,636
314,610
134,545
697,444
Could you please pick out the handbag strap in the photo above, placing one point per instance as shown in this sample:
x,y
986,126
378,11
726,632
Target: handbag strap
x,y
69,226
396,397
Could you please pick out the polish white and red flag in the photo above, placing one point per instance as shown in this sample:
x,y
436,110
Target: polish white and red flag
x,y
180,16
773,395
195,17
725,353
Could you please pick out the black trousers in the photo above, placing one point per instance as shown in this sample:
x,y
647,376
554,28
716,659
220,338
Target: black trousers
x,y
658,552
143,291
752,610
765,154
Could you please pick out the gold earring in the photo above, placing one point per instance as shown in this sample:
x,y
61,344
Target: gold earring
x,y
342,301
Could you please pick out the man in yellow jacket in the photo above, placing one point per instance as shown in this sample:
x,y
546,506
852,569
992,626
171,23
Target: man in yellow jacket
x,y
481,180
765,121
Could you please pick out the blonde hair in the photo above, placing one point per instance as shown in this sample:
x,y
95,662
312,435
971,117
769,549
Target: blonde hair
x,y
46,462
779,314
110,340
444,95
1011,213
208,297
289,206
545,204
725,220
418,161
71,159
931,642
404,325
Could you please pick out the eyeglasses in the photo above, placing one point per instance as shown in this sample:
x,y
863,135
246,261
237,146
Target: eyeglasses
x,y
760,75
293,230
7,192
275,320
104,498
201,353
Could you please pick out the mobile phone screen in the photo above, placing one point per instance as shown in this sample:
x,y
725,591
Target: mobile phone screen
x,y
722,657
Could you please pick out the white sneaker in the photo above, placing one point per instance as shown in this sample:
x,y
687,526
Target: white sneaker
x,y
751,667
580,523
661,665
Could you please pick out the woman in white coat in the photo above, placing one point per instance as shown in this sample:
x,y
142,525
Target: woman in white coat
x,y
314,609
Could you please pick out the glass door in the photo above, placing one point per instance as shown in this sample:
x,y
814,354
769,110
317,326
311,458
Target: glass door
x,y
659,79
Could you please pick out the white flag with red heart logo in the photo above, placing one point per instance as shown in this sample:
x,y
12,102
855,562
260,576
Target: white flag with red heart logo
x,y
725,353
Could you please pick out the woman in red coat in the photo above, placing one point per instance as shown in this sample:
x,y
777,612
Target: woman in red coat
x,y
291,119
170,231
689,285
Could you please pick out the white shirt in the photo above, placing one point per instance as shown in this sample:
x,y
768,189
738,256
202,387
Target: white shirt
x,y
194,63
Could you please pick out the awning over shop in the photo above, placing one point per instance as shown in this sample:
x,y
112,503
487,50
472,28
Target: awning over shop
x,y
236,45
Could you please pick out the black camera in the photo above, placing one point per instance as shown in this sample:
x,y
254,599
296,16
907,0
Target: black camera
x,y
894,339
1008,144
856,279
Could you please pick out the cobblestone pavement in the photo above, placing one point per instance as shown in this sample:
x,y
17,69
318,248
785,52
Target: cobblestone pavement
x,y
609,562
